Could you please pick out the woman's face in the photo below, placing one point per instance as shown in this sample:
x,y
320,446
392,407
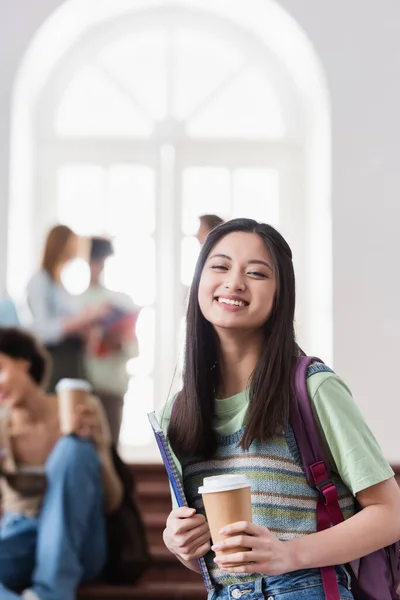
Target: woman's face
x,y
14,380
238,284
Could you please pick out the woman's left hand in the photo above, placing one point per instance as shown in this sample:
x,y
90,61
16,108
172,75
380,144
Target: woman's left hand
x,y
266,555
88,425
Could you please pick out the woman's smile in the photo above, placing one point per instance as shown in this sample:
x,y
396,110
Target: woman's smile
x,y
231,302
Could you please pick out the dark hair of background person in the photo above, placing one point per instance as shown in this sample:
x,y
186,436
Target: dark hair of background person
x,y
54,248
211,221
100,248
19,344
190,431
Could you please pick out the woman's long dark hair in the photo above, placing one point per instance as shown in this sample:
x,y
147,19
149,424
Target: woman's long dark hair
x,y
190,431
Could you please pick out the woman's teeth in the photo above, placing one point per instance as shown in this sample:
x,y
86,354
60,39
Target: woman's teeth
x,y
231,302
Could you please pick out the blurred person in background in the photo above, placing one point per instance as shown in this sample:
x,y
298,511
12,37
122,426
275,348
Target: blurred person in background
x,y
55,489
8,312
112,342
58,321
207,224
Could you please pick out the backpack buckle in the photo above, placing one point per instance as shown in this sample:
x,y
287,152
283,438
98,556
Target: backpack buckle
x,y
327,490
321,484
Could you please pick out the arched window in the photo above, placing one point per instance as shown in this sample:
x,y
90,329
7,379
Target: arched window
x,y
147,121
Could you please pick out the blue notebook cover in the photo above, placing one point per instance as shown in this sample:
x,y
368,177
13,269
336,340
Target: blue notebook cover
x,y
175,481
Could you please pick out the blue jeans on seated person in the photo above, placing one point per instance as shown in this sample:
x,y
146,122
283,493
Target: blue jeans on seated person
x,y
66,544
299,585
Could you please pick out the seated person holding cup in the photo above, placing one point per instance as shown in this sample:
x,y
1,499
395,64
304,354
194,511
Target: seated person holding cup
x,y
57,478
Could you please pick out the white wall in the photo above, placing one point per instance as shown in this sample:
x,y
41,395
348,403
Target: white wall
x,y
359,47
19,21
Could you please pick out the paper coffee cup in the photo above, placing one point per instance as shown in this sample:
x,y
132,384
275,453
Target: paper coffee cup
x,y
71,393
226,499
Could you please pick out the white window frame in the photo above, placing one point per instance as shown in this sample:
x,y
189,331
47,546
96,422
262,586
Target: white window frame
x,y
286,156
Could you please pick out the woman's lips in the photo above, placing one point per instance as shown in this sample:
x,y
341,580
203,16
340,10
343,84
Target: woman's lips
x,y
230,304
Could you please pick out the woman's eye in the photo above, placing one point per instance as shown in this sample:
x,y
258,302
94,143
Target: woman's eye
x,y
219,267
258,274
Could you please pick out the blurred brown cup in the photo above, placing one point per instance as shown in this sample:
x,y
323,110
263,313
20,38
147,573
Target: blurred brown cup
x,y
70,394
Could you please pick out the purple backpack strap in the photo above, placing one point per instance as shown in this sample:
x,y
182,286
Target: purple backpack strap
x,y
315,464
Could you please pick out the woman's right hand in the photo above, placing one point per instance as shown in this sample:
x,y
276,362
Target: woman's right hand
x,y
187,534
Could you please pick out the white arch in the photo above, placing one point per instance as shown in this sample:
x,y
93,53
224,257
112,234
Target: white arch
x,y
265,19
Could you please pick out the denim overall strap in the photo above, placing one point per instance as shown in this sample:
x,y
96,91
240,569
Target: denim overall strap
x,y
315,465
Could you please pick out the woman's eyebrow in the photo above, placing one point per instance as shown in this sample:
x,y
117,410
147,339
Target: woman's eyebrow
x,y
220,256
255,261
260,262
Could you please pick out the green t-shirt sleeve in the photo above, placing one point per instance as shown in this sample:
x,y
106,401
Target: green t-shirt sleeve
x,y
354,451
164,414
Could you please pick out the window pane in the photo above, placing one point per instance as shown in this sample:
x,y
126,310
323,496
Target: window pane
x,y
93,106
190,249
133,268
256,194
202,62
204,190
139,63
145,329
139,400
81,198
248,107
131,200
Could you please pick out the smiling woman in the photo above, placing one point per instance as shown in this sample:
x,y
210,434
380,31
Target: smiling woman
x,y
232,417
259,330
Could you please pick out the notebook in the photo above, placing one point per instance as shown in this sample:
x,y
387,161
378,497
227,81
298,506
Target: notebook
x,y
175,481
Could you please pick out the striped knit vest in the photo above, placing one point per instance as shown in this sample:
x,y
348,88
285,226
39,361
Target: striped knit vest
x,y
281,497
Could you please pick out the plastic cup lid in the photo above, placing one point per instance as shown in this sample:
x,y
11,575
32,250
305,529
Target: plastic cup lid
x,y
73,384
223,483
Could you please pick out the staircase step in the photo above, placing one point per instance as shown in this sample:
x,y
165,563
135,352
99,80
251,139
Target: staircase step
x,y
153,489
154,520
170,573
146,591
159,508
161,556
149,472
166,578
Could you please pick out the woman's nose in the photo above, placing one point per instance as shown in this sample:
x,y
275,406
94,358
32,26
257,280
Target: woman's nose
x,y
235,284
